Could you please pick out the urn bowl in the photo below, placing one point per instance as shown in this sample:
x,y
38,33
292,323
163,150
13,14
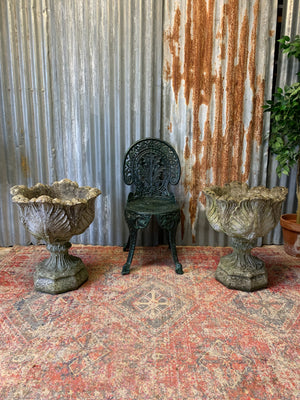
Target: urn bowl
x,y
244,212
56,213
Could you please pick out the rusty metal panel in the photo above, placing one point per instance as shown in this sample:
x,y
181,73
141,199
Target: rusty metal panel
x,y
218,66
286,75
80,82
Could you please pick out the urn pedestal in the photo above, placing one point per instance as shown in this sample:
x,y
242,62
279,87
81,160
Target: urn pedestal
x,y
54,214
240,269
61,272
244,214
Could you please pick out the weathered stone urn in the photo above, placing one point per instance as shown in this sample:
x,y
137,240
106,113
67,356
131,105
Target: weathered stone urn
x,y
244,214
54,214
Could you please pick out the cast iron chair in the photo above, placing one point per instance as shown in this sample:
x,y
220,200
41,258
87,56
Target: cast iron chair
x,y
151,165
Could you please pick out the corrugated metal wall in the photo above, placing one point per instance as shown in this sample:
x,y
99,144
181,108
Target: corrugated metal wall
x,y
82,80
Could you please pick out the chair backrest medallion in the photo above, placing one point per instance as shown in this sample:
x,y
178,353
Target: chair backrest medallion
x,y
151,165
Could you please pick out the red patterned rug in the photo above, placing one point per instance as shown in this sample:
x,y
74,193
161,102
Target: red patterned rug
x,y
150,335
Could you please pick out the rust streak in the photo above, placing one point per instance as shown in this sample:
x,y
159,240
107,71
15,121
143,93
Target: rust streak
x,y
258,111
203,79
252,56
173,39
188,72
187,151
24,166
217,142
167,72
239,94
231,14
271,33
257,86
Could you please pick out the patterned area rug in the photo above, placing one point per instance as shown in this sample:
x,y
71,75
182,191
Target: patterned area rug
x,y
150,335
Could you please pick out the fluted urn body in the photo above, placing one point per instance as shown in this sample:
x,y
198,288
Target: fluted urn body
x,y
54,214
244,214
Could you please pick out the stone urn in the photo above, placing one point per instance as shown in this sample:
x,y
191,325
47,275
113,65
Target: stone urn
x,y
244,214
54,214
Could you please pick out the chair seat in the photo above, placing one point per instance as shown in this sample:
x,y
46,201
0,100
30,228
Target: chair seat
x,y
152,206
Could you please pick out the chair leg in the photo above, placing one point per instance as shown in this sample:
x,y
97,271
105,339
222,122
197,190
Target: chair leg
x,y
126,246
178,266
132,242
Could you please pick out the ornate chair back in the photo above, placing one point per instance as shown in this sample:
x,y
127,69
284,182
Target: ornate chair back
x,y
151,165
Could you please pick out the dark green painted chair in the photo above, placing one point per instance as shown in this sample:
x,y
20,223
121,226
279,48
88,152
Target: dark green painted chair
x,y
150,165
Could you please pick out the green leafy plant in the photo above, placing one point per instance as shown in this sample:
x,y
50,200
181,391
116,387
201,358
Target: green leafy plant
x,y
284,135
